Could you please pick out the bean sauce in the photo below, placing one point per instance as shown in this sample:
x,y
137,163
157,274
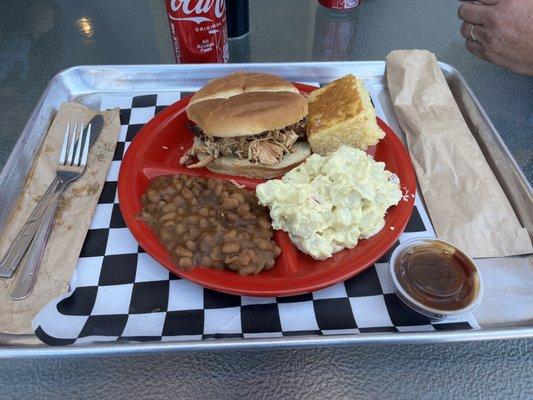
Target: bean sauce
x,y
209,223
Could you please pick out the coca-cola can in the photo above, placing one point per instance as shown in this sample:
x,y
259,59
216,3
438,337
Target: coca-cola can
x,y
198,29
340,4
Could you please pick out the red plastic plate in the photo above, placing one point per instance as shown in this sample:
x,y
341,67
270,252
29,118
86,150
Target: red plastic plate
x,y
156,151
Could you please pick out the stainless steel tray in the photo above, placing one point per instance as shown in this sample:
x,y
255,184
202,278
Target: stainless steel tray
x,y
87,84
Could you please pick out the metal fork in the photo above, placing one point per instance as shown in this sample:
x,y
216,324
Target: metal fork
x,y
71,165
11,258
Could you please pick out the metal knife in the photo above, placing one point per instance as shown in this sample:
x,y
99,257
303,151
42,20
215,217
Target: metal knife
x,y
97,124
18,248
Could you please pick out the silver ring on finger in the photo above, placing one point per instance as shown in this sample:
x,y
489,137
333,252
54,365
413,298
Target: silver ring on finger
x,y
473,35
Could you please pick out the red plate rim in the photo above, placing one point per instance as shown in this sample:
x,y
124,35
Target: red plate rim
x,y
130,205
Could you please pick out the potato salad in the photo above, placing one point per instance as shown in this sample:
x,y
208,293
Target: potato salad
x,y
328,203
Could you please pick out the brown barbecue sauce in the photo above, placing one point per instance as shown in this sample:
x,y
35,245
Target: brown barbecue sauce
x,y
438,276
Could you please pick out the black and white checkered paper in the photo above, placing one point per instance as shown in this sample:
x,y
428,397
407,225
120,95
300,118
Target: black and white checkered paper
x,y
119,292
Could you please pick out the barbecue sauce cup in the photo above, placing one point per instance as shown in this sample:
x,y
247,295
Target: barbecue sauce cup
x,y
435,279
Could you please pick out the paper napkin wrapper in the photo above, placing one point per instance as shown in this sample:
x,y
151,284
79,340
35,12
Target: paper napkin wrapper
x,y
72,219
464,199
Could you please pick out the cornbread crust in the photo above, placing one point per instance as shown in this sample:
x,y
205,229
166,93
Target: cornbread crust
x,y
244,103
341,113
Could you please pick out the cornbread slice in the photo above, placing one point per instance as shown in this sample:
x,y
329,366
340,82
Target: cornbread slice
x,y
341,113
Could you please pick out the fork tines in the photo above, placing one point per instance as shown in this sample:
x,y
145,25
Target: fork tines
x,y
75,148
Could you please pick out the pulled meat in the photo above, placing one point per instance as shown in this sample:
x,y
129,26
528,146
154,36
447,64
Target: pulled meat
x,y
266,148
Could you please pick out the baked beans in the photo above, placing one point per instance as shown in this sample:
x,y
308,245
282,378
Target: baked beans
x,y
209,222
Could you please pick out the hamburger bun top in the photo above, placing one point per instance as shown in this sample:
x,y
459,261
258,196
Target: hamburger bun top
x,y
246,103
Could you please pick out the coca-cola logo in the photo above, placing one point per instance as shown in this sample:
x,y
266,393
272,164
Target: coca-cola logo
x,y
199,8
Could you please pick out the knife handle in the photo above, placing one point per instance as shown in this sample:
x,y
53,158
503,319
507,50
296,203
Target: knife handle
x,y
18,248
31,262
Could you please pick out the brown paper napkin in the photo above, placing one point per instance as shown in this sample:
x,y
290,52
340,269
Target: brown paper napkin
x,y
71,221
465,201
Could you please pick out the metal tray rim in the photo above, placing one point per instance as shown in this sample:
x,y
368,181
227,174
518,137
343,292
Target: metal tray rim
x,y
113,348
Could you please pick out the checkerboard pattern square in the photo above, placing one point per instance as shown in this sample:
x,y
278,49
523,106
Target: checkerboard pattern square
x,y
119,292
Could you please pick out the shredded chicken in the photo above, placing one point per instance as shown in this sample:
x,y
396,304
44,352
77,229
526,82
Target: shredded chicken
x,y
267,148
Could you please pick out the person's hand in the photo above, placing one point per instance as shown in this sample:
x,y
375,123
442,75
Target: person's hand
x,y
500,31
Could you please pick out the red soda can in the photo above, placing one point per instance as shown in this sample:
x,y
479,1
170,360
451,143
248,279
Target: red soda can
x,y
340,4
198,30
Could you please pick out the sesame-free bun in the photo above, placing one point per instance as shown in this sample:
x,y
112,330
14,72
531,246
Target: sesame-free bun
x,y
246,103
